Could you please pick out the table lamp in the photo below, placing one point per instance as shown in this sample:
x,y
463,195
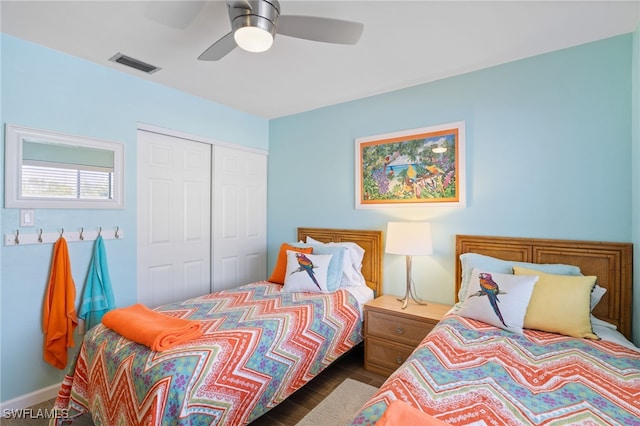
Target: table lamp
x,y
409,239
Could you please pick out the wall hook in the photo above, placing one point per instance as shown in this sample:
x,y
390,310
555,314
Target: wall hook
x,y
100,231
117,235
61,232
40,236
17,240
81,232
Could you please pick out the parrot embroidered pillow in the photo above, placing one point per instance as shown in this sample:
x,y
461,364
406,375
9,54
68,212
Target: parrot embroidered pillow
x,y
306,272
278,273
498,299
337,262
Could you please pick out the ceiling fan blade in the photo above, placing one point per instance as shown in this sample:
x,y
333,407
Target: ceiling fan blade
x,y
315,28
176,14
219,49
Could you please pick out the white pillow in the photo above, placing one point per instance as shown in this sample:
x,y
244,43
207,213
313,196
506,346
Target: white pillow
x,y
352,268
498,299
492,264
306,272
313,241
596,295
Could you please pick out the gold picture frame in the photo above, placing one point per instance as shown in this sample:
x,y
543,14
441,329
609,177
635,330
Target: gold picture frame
x,y
418,167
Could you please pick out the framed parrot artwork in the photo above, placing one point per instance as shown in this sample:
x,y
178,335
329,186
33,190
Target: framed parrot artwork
x,y
411,168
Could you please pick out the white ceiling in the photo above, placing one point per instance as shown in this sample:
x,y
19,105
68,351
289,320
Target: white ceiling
x,y
404,43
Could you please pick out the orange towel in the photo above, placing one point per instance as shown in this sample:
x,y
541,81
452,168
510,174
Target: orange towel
x,y
154,329
59,319
399,413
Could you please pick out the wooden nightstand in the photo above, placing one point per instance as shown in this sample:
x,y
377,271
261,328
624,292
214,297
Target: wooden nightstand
x,y
392,333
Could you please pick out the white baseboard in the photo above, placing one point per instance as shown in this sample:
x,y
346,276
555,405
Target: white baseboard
x,y
30,399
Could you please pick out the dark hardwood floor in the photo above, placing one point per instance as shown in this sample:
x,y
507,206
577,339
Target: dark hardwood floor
x,y
294,408
290,411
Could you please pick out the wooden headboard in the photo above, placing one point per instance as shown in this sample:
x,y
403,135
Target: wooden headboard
x,y
369,240
610,262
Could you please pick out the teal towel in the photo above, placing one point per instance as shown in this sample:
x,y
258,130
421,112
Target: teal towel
x,y
97,298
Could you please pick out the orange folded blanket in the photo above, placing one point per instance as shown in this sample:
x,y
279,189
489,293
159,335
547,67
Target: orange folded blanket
x,y
399,413
154,329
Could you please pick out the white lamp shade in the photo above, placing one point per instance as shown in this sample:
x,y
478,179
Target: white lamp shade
x,y
409,238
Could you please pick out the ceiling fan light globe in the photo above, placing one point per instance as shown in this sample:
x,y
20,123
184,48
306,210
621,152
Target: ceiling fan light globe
x,y
253,39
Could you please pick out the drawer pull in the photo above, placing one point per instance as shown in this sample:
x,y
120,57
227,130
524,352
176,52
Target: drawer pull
x,y
399,360
399,330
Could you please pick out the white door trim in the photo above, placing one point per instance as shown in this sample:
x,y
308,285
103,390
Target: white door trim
x,y
179,134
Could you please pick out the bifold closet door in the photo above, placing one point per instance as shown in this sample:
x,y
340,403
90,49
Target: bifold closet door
x,y
239,217
174,218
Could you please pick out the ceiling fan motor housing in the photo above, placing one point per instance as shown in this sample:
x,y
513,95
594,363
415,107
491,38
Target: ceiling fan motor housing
x,y
262,14
254,24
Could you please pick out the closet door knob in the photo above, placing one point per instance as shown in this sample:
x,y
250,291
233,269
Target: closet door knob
x,y
399,330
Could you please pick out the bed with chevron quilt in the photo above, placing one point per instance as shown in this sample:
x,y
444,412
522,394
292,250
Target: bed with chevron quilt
x,y
259,344
466,372
499,358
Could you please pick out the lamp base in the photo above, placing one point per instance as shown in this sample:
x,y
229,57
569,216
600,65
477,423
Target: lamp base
x,y
405,299
410,292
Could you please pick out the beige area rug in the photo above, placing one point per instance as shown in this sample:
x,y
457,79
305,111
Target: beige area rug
x,y
340,406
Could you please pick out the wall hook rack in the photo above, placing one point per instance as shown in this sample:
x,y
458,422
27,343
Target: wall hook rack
x,y
40,237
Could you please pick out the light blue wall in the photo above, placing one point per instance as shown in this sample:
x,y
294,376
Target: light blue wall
x,y
548,153
46,89
635,167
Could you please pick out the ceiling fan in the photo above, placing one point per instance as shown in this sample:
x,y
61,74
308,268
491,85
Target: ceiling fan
x,y
255,23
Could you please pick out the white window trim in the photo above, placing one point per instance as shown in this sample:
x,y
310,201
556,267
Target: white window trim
x,y
14,136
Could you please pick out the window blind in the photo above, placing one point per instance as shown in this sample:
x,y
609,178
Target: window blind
x,y
69,182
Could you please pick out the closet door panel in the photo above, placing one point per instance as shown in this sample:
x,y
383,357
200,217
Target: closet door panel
x,y
239,217
174,218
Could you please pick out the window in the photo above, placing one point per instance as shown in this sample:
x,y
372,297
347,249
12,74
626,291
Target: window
x,y
61,171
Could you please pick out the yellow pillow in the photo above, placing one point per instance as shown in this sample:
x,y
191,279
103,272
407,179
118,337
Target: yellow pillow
x,y
560,303
280,269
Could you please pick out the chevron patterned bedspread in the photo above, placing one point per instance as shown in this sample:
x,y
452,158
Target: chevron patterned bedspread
x,y
260,345
466,372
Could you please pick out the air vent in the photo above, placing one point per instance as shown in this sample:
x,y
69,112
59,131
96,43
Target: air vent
x,y
134,63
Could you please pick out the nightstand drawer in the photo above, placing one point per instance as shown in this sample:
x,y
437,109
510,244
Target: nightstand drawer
x,y
391,332
397,329
384,356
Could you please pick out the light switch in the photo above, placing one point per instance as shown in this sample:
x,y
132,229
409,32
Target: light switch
x,y
26,218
